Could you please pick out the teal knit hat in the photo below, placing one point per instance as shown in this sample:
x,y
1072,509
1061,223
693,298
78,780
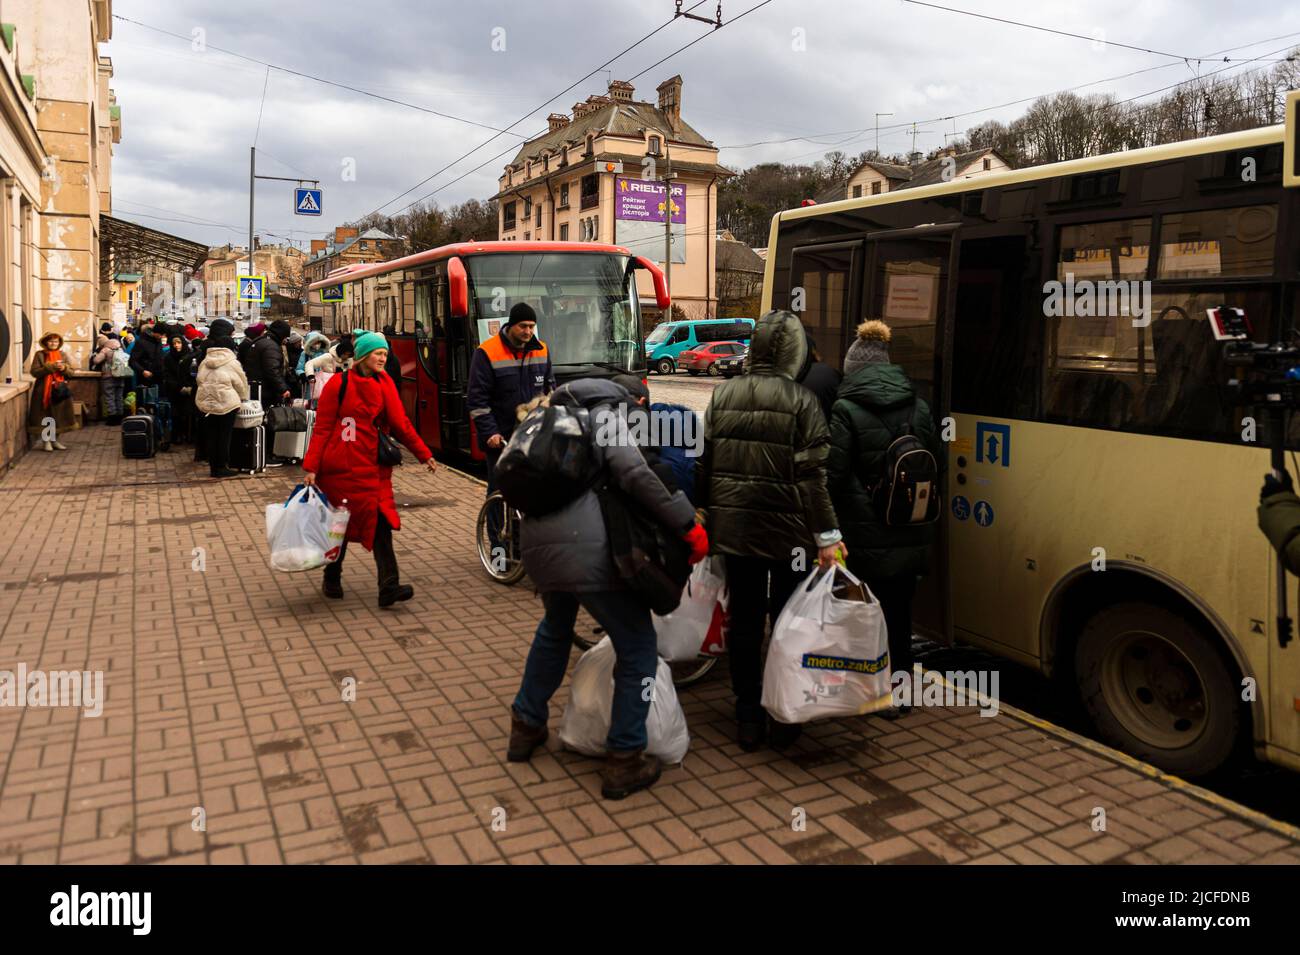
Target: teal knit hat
x,y
366,342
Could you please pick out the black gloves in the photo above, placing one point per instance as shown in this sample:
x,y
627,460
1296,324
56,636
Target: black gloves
x,y
1273,486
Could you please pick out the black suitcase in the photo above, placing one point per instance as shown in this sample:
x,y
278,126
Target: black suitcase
x,y
248,449
138,436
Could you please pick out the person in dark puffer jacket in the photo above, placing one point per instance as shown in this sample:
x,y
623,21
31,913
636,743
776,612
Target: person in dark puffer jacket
x,y
761,481
567,555
875,401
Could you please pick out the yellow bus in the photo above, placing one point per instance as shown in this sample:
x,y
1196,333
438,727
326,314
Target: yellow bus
x,y
1102,481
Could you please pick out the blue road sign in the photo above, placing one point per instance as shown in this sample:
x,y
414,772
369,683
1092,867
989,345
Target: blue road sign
x,y
983,513
993,443
960,508
252,288
306,202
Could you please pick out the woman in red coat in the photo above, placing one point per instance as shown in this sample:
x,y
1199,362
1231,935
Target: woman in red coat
x,y
342,459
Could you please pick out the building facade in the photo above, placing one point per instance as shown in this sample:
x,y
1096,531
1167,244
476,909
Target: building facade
x,y
283,267
22,163
79,121
345,246
597,176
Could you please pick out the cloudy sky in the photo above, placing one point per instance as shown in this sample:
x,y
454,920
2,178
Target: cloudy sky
x,y
818,69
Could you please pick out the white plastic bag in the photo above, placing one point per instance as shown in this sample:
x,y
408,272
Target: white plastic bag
x,y
829,655
305,532
696,625
591,702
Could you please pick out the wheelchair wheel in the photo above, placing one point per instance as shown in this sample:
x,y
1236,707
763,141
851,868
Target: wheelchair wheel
x,y
502,559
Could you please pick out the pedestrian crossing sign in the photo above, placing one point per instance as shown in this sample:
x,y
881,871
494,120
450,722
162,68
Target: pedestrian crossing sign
x,y
334,293
252,288
306,202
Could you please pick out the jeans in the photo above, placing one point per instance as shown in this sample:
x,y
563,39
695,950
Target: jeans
x,y
113,391
385,559
627,621
895,595
218,429
759,590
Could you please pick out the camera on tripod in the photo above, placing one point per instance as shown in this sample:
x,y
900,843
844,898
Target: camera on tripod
x,y
1270,376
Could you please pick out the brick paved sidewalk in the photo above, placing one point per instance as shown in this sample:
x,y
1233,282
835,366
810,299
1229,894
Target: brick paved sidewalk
x,y
223,694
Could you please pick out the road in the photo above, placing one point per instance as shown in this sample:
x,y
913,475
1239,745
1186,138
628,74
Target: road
x,y
682,389
1273,791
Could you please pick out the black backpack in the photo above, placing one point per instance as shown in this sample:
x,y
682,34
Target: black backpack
x,y
652,562
548,461
906,490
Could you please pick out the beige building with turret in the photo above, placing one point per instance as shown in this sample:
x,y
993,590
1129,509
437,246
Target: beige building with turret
x,y
597,176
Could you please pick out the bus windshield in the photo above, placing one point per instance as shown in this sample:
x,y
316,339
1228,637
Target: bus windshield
x,y
586,304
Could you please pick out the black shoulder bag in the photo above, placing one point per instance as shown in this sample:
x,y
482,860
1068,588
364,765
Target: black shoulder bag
x,y
389,452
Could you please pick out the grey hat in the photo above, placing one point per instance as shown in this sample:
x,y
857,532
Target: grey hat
x,y
871,345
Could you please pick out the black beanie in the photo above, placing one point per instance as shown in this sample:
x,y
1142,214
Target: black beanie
x,y
280,330
521,312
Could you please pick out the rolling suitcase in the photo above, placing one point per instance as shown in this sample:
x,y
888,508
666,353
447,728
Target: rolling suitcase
x,y
294,444
248,449
138,436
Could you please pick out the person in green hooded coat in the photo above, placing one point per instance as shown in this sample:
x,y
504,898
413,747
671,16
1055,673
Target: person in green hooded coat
x,y
874,402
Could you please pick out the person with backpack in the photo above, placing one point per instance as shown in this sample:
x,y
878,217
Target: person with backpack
x,y
358,420
569,556
883,475
761,481
114,367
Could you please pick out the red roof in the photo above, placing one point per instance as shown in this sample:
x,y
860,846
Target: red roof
x,y
365,270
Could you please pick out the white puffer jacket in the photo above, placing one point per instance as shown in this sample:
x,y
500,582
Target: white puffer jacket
x,y
222,383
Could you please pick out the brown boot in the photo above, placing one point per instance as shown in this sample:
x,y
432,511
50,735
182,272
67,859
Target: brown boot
x,y
627,772
524,738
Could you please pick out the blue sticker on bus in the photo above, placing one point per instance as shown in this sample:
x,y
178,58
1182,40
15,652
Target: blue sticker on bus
x,y
960,508
983,513
993,443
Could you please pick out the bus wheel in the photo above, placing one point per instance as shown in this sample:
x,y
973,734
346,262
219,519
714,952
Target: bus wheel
x,y
664,366
1157,687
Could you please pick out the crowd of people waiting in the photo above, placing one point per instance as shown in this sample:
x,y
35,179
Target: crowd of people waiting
x,y
192,380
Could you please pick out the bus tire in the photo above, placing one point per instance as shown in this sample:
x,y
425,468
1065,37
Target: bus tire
x,y
1157,687
664,366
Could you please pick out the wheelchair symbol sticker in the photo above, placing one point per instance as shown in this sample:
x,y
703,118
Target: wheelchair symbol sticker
x,y
960,508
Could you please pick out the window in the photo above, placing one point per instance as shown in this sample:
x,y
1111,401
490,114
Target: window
x,y
564,195
988,164
857,192
538,223
1105,250
875,188
508,220
528,236
679,335
564,232
590,191
528,208
591,146
654,146
1215,242
823,273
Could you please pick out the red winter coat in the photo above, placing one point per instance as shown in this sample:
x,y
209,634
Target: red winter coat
x,y
347,471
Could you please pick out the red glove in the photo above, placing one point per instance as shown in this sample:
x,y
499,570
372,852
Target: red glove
x,y
699,542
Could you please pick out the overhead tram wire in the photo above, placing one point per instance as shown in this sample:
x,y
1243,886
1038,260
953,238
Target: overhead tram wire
x,y
308,76
985,109
541,106
491,159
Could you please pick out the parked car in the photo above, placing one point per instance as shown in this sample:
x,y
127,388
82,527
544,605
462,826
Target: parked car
x,y
668,340
731,365
704,358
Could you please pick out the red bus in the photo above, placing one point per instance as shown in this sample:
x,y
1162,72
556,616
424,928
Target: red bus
x,y
444,302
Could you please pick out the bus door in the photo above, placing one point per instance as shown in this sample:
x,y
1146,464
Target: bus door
x,y
907,284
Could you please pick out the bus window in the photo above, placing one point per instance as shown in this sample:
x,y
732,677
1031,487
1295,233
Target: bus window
x,y
824,273
1215,242
1179,385
1100,251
